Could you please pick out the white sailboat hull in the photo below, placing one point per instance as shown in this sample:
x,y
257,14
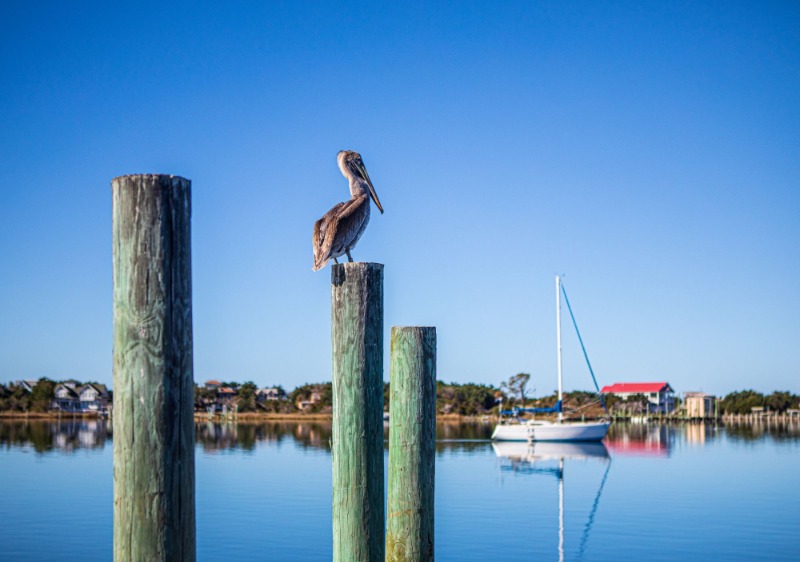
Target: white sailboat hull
x,y
511,432
574,431
546,431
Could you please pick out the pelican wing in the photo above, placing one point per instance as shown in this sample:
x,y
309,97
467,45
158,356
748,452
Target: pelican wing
x,y
337,230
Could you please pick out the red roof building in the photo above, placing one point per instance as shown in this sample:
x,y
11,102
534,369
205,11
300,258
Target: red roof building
x,y
660,396
635,387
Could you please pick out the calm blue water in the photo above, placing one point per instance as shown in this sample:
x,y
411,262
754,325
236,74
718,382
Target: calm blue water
x,y
264,493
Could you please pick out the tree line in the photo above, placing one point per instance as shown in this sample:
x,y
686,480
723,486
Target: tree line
x,y
463,399
468,399
743,401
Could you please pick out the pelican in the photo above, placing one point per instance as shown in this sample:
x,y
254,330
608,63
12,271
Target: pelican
x,y
338,231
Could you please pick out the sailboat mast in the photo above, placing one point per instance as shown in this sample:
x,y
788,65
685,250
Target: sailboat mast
x,y
561,509
558,339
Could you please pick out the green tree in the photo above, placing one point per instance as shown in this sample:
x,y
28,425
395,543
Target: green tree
x,y
780,401
247,397
742,402
546,401
612,400
516,387
42,395
4,395
474,399
318,395
468,399
578,398
444,397
19,399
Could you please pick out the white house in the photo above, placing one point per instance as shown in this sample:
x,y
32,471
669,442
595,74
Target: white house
x,y
93,397
660,396
66,398
265,394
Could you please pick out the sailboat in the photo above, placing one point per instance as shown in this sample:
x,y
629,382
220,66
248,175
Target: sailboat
x,y
560,430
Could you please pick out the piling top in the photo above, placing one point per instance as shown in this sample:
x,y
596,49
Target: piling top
x,y
358,265
150,177
341,271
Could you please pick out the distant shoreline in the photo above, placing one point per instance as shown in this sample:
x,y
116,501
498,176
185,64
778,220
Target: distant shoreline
x,y
49,415
199,416
327,417
241,416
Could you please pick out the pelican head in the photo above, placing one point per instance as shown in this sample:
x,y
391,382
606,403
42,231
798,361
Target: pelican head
x,y
352,167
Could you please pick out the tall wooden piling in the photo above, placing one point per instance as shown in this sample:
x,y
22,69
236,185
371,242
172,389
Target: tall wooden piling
x,y
154,509
357,448
412,445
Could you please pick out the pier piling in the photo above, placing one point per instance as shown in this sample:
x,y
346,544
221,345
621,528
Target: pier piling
x,y
412,445
357,441
154,507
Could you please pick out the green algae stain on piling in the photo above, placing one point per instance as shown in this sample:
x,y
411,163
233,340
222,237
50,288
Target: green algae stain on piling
x,y
357,441
412,445
154,507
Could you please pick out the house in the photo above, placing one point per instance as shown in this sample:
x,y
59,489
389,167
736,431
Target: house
x,y
226,396
274,393
699,405
660,396
312,399
27,385
66,398
93,397
213,384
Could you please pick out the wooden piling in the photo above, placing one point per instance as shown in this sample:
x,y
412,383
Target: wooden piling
x,y
154,508
412,445
357,440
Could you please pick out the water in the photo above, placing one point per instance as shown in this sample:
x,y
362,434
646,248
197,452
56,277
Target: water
x,y
264,493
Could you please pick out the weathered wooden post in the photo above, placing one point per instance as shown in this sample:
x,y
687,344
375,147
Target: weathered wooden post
x,y
357,448
154,514
412,445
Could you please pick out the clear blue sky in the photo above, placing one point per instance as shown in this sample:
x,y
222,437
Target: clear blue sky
x,y
648,151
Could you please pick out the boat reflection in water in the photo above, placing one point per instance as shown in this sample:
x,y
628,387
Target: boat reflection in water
x,y
521,454
538,457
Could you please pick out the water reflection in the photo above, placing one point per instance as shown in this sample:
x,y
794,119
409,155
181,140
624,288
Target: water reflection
x,y
549,458
756,430
246,436
655,440
641,439
65,436
526,457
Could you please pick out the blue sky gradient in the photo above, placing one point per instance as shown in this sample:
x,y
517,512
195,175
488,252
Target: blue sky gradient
x,y
649,152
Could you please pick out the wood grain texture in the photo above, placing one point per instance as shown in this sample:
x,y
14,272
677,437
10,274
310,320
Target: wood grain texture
x,y
154,508
357,441
412,444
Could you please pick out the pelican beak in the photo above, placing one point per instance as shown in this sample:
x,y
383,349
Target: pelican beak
x,y
364,173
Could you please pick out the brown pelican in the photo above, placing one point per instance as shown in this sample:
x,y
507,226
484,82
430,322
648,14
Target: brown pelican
x,y
337,232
